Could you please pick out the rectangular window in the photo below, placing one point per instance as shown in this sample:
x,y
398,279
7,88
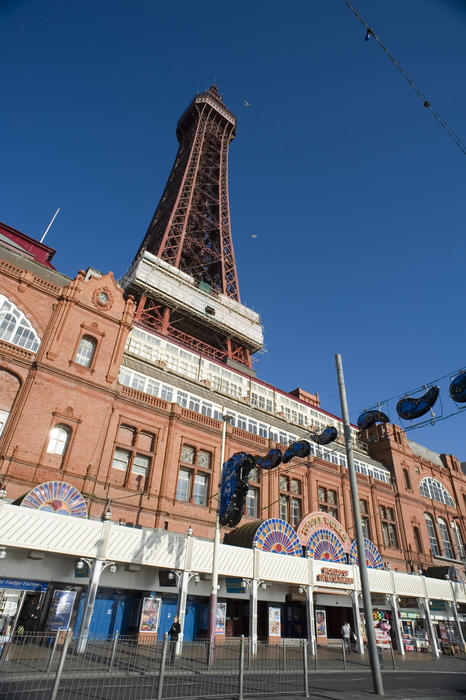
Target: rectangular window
x,y
182,399
141,464
328,501
366,530
284,508
242,422
252,501
295,511
152,387
201,485
166,393
263,432
387,517
121,459
187,454
138,382
184,485
206,409
204,459
254,475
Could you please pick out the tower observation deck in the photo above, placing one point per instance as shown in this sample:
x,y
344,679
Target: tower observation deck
x,y
184,273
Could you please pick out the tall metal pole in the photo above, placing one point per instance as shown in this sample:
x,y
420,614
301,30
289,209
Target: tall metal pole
x,y
366,595
213,594
93,585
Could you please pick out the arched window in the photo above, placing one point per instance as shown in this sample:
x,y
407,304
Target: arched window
x,y
15,327
458,539
417,539
432,535
59,439
86,350
445,537
431,488
407,479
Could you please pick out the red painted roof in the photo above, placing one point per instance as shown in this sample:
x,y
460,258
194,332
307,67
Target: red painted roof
x,y
24,245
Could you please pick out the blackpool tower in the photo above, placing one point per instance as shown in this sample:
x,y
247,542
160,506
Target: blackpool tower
x,y
184,274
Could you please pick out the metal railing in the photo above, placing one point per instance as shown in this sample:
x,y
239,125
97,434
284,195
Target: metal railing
x,y
48,666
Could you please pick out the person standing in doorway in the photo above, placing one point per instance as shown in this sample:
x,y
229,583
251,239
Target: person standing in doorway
x,y
174,632
346,633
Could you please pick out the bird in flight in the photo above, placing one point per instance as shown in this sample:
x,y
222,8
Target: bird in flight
x,y
246,103
254,235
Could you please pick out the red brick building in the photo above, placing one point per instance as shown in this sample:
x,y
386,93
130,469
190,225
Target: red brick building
x,y
110,439
119,389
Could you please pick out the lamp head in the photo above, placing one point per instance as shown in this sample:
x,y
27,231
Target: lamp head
x,y
197,578
80,565
108,514
112,568
2,491
171,575
189,531
2,552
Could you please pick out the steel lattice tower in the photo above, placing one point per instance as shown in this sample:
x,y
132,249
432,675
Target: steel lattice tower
x,y
191,231
191,226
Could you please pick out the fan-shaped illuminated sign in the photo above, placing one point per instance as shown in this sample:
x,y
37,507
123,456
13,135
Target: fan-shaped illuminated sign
x,y
56,497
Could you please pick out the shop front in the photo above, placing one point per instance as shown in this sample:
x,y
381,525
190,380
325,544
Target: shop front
x,y
413,626
444,625
21,606
331,613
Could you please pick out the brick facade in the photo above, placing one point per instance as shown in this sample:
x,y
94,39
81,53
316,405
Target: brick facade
x,y
49,389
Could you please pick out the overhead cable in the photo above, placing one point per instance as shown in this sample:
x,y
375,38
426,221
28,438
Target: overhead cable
x,y
426,102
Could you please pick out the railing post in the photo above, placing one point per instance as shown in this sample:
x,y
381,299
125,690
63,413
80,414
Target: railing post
x,y
162,666
284,655
61,664
306,677
52,653
393,656
112,656
344,653
211,650
316,661
241,668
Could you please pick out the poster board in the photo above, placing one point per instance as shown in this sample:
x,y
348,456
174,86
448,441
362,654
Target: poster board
x,y
220,618
60,611
150,615
321,623
274,622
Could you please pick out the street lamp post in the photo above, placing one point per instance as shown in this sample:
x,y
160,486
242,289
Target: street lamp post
x,y
214,592
454,609
96,567
366,595
182,582
253,586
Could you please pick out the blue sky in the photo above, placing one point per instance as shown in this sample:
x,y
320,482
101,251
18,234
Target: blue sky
x,y
355,192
